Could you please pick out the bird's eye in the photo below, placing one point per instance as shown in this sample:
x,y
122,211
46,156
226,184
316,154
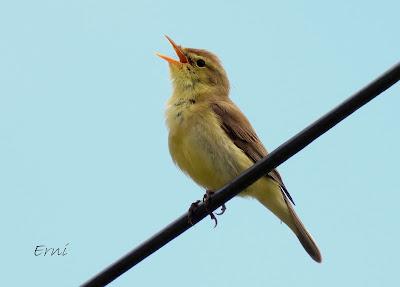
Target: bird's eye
x,y
200,63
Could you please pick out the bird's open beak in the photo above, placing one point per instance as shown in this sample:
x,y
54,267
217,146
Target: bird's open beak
x,y
178,51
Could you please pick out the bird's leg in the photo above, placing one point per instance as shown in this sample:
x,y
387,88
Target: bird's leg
x,y
206,200
192,210
207,197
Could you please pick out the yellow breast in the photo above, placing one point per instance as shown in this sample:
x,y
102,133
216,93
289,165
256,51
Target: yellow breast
x,y
200,147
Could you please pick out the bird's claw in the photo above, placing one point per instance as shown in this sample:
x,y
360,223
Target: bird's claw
x,y
192,210
213,218
206,200
223,208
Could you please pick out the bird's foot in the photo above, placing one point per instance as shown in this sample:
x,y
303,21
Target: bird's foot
x,y
192,210
207,200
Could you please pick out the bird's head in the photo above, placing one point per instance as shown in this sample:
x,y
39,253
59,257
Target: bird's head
x,y
197,71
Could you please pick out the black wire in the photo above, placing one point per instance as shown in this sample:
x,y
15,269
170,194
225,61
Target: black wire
x,y
262,167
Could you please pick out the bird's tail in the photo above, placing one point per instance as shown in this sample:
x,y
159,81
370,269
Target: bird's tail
x,y
303,235
278,203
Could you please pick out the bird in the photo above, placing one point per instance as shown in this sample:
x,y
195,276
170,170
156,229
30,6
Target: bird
x,y
212,141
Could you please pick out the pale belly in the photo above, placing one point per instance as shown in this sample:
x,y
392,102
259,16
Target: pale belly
x,y
200,147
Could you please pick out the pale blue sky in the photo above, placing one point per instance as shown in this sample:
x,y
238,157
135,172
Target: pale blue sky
x,y
83,144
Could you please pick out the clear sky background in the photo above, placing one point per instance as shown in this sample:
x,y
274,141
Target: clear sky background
x,y
83,143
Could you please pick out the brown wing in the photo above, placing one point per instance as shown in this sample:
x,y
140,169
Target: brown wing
x,y
240,131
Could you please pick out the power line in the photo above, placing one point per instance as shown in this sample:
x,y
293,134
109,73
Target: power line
x,y
259,169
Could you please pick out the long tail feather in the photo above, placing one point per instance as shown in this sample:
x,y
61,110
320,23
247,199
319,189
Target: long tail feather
x,y
304,236
269,194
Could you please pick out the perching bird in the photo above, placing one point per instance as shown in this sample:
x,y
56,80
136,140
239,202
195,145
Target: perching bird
x,y
213,142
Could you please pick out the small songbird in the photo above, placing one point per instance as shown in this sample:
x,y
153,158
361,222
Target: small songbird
x,y
213,142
